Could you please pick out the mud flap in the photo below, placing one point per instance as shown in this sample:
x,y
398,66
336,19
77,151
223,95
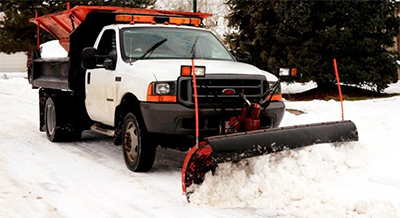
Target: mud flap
x,y
237,146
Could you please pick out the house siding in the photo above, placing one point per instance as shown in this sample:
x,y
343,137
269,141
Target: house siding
x,y
13,62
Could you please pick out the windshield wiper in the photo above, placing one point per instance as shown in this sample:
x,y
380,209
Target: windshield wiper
x,y
154,47
193,50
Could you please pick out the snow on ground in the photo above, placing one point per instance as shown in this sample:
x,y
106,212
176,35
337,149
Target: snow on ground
x,y
80,179
89,178
357,179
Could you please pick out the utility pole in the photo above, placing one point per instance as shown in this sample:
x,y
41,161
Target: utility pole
x,y
195,6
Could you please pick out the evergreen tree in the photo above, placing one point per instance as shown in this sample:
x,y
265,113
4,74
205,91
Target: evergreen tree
x,y
18,34
309,34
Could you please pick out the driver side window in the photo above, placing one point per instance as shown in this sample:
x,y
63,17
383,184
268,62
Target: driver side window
x,y
106,47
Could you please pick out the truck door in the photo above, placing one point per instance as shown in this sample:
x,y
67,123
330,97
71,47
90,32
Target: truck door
x,y
100,82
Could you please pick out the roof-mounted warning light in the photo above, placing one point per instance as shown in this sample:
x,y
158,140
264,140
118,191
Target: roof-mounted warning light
x,y
157,19
135,19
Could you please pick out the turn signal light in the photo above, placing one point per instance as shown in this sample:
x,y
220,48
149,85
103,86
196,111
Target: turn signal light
x,y
289,72
276,97
293,72
187,71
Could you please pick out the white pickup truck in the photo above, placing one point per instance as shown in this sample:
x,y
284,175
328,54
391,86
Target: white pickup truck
x,y
128,75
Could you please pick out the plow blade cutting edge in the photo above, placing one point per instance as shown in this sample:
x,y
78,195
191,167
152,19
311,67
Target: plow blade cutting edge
x,y
237,146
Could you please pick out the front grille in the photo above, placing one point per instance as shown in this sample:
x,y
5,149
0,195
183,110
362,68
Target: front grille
x,y
209,90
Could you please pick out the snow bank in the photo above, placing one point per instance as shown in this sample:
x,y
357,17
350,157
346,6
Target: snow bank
x,y
293,88
393,88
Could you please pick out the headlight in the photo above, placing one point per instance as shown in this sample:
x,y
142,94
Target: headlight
x,y
161,92
162,89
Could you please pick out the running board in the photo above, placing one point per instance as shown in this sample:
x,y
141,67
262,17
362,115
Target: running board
x,y
97,128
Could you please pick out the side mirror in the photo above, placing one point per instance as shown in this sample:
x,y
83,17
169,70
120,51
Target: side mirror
x,y
88,58
110,62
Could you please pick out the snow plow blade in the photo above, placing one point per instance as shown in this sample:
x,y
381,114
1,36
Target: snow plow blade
x,y
238,146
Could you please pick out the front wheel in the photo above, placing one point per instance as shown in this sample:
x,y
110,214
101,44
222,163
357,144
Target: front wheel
x,y
138,150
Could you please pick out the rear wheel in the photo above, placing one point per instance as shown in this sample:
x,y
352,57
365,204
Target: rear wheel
x,y
138,150
50,120
56,126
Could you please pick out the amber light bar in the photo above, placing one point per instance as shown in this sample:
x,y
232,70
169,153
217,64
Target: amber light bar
x,y
156,19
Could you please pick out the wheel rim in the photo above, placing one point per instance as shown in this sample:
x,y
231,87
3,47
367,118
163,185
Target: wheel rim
x,y
50,118
131,142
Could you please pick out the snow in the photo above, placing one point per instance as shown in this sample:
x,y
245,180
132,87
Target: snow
x,y
89,179
52,49
293,88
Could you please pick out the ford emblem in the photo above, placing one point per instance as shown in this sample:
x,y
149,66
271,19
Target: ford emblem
x,y
228,91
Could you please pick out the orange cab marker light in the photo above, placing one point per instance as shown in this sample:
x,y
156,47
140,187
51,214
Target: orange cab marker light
x,y
143,19
186,70
179,21
195,21
123,18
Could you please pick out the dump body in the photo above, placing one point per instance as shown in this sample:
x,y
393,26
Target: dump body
x,y
50,73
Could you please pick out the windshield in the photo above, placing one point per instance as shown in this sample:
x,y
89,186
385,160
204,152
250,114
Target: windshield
x,y
179,44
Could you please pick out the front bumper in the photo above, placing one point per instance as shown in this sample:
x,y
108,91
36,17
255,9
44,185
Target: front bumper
x,y
176,119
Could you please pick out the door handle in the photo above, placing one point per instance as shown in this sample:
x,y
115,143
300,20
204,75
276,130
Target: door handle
x,y
88,78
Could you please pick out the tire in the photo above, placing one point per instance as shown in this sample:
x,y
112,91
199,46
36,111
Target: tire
x,y
138,150
50,119
54,119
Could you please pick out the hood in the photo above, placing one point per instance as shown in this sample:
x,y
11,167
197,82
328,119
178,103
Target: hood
x,y
170,70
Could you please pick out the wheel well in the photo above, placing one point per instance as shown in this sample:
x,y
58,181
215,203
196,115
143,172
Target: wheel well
x,y
71,102
129,103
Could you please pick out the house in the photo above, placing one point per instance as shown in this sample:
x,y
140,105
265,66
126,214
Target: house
x,y
13,62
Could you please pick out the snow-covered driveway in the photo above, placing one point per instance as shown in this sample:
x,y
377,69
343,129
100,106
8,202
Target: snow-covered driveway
x,y
89,178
